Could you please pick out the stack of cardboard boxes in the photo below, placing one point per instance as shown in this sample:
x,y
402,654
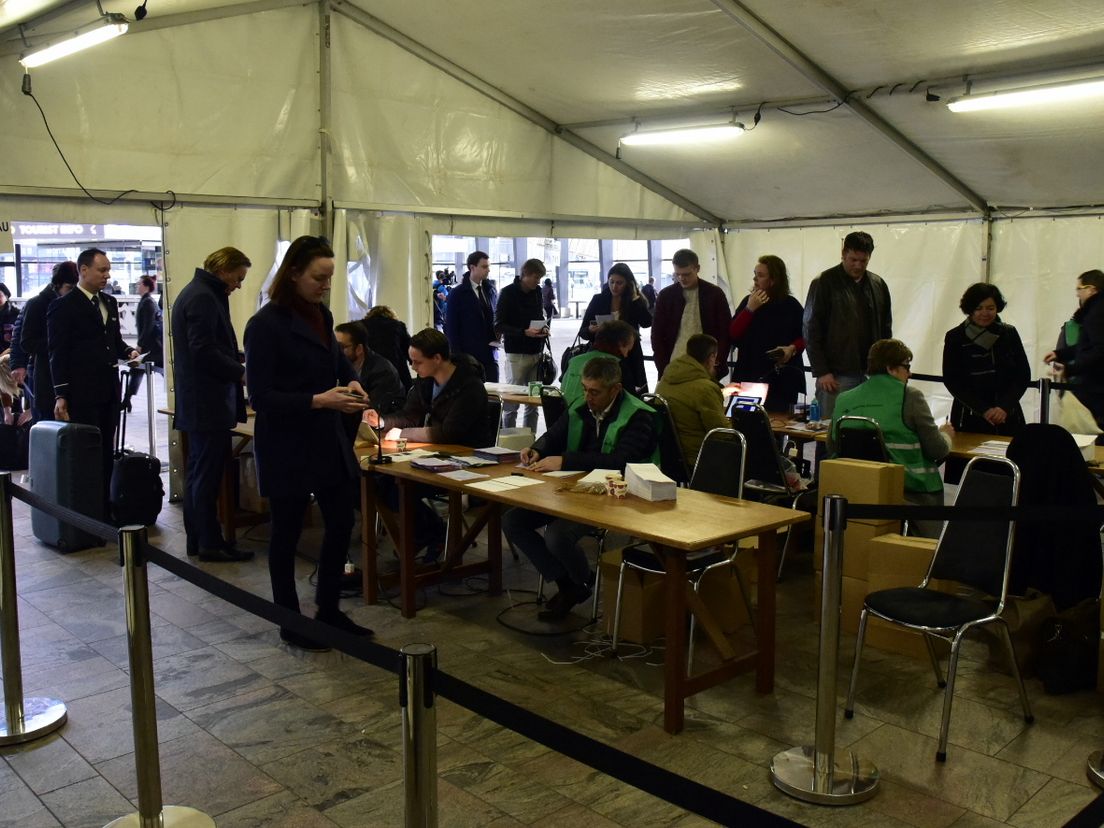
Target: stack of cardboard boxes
x,y
875,555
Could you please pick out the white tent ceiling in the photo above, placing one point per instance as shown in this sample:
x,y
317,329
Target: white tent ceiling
x,y
585,64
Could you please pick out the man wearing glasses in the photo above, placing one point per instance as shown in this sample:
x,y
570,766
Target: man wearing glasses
x,y
911,436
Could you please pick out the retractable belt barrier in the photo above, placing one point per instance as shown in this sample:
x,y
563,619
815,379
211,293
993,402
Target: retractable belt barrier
x,y
656,781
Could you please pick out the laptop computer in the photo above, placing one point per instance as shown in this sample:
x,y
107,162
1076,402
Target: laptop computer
x,y
744,395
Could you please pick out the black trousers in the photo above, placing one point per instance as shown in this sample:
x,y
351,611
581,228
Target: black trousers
x,y
208,452
105,416
336,504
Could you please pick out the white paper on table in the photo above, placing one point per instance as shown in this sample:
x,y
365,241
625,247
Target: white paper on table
x,y
404,456
991,448
393,434
462,474
563,474
506,484
598,476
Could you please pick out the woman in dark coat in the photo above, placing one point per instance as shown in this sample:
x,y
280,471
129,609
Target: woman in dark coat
x,y
984,366
1082,364
301,386
766,331
388,337
621,299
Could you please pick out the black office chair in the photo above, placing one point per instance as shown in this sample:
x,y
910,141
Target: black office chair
x,y
719,470
860,438
492,421
553,405
976,554
765,474
672,462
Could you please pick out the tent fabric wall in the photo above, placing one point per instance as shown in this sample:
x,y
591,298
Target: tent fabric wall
x,y
399,253
408,136
209,109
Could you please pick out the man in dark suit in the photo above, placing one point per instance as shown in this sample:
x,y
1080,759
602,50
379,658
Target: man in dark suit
x,y
469,317
209,395
377,376
85,344
33,343
150,338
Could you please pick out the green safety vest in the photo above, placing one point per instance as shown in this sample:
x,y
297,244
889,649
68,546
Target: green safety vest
x,y
882,398
571,385
629,406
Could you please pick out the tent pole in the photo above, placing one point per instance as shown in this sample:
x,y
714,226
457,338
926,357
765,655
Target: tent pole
x,y
325,114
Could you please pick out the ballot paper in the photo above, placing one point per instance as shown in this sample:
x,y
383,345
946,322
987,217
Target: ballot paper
x,y
405,456
991,448
463,475
646,481
506,484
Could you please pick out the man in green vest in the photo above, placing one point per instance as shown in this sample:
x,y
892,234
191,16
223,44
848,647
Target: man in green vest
x,y
911,436
613,340
606,431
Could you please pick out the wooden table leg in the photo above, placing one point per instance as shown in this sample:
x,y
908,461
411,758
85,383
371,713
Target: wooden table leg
x,y
407,575
494,549
368,552
767,559
674,660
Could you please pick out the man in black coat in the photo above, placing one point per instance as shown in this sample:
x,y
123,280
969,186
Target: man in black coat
x,y
209,395
519,320
82,330
150,337
377,376
33,341
469,320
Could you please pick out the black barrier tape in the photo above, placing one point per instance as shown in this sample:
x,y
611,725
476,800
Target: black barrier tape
x,y
653,780
1022,514
99,529
1091,816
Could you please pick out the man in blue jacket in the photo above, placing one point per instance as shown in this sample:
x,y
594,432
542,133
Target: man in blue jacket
x,y
469,316
209,395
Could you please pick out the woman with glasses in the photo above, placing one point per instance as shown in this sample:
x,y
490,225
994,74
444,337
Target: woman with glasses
x,y
911,436
1081,362
984,366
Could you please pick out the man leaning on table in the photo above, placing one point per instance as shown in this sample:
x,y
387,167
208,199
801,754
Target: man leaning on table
x,y
446,404
606,431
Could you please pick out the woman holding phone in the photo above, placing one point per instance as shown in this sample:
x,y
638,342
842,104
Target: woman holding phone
x,y
766,331
301,386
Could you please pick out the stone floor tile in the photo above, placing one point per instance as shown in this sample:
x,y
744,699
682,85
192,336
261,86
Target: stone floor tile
x,y
89,804
1053,804
198,677
280,810
101,727
48,764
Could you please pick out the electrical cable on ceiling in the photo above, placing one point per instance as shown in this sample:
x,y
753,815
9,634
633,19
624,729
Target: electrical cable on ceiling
x,y
814,111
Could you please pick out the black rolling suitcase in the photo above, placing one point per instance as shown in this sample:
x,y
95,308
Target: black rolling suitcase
x,y
137,493
65,467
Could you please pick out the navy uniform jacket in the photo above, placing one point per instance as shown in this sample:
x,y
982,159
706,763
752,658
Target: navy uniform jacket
x,y
469,325
84,352
209,395
298,449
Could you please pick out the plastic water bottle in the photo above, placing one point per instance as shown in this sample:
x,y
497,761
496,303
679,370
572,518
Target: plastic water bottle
x,y
814,411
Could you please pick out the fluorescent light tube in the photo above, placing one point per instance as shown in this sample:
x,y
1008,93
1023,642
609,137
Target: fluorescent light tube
x,y
1030,96
683,135
111,26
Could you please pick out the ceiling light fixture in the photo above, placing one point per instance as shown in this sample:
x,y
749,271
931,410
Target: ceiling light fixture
x,y
1029,96
683,135
107,27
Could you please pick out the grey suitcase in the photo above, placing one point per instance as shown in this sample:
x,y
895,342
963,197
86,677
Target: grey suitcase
x,y
65,466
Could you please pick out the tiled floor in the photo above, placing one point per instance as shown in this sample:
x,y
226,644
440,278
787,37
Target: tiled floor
x,y
256,734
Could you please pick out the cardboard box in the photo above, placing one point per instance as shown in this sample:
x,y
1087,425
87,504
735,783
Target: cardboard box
x,y
642,616
861,481
897,561
852,594
856,546
720,591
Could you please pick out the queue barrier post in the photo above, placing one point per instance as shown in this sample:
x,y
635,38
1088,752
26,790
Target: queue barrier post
x,y
151,812
1044,399
419,734
28,719
819,774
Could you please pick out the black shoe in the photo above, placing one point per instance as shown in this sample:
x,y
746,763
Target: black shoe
x,y
226,554
341,621
301,642
567,597
193,548
433,553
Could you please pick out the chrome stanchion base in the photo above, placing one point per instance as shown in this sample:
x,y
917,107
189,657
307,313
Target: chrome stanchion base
x,y
852,779
41,716
1096,767
172,816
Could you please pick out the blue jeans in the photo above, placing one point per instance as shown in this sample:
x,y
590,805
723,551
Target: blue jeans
x,y
521,370
557,556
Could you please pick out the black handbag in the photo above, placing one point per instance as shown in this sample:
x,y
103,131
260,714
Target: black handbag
x,y
573,350
546,366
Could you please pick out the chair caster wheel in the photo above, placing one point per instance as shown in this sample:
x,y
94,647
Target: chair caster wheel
x,y
941,756
848,714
